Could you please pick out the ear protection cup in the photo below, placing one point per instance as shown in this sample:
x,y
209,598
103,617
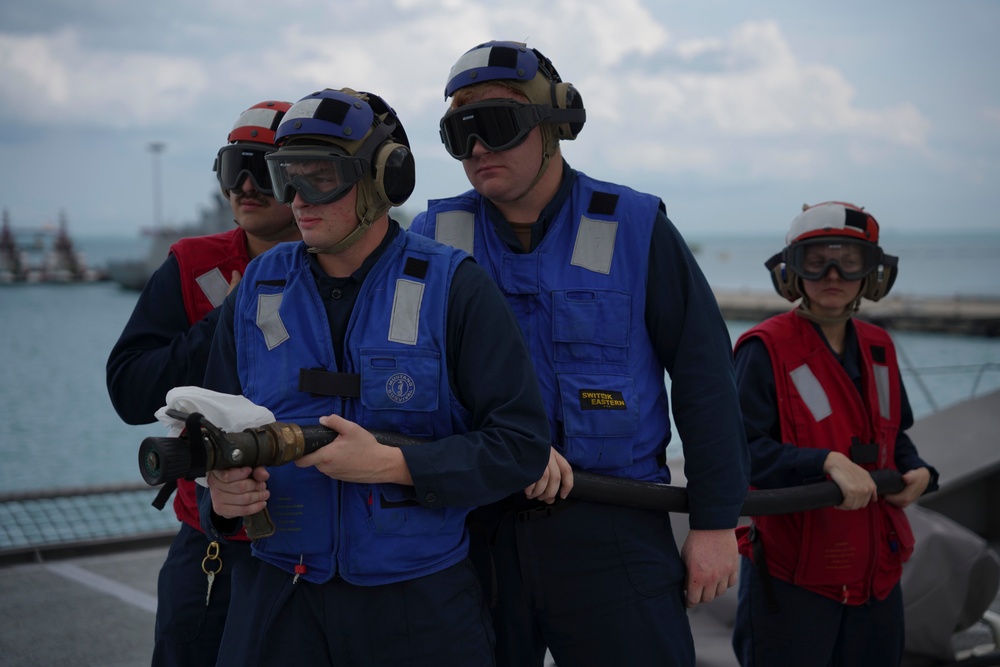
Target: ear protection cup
x,y
570,115
878,284
566,96
394,173
785,282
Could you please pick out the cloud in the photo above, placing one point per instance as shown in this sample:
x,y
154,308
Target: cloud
x,y
751,84
740,107
69,84
992,116
706,96
746,84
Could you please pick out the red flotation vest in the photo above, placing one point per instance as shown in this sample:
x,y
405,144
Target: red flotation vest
x,y
848,556
206,266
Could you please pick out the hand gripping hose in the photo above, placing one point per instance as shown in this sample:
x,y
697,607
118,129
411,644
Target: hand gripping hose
x,y
204,447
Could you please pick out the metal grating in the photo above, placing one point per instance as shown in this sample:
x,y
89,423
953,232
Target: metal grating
x,y
36,519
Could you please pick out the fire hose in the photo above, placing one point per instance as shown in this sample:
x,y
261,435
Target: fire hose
x,y
203,447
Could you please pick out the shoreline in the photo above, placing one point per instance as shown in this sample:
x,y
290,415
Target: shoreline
x,y
964,315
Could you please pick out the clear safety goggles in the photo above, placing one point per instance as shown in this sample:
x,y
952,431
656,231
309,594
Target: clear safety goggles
x,y
853,260
496,124
319,174
236,162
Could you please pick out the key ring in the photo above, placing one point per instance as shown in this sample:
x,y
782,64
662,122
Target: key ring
x,y
212,554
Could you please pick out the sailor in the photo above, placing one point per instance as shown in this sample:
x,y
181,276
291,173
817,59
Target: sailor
x,y
364,326
609,298
822,398
165,344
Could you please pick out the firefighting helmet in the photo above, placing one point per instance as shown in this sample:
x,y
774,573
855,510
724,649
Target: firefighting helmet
x,y
251,138
358,137
848,236
556,105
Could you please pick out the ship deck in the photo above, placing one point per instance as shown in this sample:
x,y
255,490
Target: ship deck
x,y
78,568
99,609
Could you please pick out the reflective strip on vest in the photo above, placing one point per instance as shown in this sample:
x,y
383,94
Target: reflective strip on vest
x,y
457,229
881,374
214,285
595,245
811,392
405,321
269,320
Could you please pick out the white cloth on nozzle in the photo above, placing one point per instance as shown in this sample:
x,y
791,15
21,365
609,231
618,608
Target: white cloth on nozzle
x,y
229,412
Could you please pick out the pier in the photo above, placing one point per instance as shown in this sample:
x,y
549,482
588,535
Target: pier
x,y
971,316
26,257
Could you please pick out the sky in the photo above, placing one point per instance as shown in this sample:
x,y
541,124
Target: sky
x,y
735,113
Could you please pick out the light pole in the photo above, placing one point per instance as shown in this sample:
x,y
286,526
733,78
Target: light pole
x,y
156,147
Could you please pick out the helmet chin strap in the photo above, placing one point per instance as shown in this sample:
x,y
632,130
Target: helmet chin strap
x,y
344,243
369,209
549,145
804,311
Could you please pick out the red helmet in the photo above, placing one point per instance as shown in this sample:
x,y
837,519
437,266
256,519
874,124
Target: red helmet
x,y
238,159
840,225
833,218
259,122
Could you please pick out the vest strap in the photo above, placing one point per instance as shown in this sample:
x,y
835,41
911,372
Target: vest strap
x,y
319,382
163,495
762,572
863,453
545,511
602,203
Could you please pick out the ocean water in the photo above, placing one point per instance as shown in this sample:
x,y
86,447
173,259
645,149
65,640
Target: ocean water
x,y
962,264
58,429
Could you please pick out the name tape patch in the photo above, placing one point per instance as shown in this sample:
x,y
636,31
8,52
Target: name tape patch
x,y
596,399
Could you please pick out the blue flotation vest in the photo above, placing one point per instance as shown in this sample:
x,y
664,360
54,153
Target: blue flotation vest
x,y
580,297
368,534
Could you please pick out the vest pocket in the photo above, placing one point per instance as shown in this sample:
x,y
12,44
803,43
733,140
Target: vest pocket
x,y
394,510
296,493
898,542
398,389
836,547
600,418
590,326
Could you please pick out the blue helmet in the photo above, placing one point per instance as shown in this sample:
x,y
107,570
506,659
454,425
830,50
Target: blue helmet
x,y
528,71
493,61
356,132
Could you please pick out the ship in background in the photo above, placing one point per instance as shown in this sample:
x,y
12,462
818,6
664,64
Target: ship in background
x,y
132,274
26,256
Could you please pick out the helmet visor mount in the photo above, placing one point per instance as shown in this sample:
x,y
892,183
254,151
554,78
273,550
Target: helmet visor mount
x,y
318,174
497,124
853,260
236,162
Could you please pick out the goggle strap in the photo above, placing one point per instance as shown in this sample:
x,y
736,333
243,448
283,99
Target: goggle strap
x,y
560,116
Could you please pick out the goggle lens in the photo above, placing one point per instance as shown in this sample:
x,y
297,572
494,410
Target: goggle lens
x,y
852,260
496,124
235,163
317,175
